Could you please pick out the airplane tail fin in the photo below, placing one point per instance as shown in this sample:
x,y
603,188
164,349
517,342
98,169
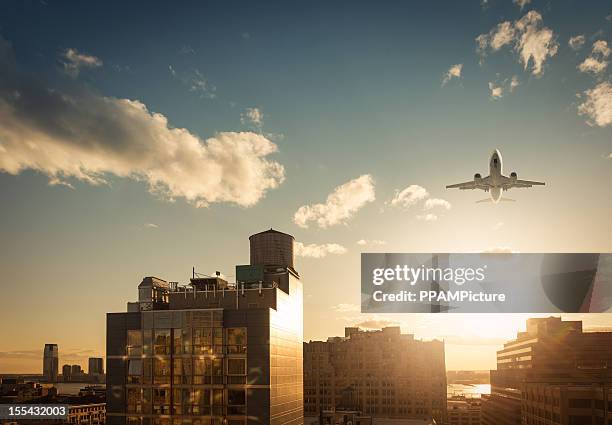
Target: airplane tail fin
x,y
489,200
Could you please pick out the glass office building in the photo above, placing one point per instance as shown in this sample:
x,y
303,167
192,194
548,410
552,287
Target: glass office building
x,y
212,352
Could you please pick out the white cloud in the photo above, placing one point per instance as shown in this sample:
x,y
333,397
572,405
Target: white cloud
x,y
347,308
318,251
414,194
601,47
598,105
592,65
80,134
409,196
514,83
596,63
364,242
496,91
340,205
453,72
521,3
533,42
151,226
576,42
432,203
73,61
252,116
503,34
196,82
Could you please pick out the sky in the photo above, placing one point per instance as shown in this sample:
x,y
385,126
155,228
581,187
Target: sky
x,y
147,138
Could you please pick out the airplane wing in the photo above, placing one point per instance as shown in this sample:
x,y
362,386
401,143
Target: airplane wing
x,y
527,183
482,183
466,185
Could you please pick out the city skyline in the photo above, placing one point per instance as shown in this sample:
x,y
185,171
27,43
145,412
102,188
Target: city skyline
x,y
146,140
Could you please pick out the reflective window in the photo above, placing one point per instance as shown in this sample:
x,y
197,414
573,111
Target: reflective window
x,y
236,402
162,341
134,343
134,371
236,340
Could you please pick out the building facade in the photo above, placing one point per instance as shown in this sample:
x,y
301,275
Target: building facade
x,y
384,374
50,362
95,366
554,373
212,352
463,411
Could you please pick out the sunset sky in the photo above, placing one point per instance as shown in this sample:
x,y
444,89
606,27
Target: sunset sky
x,y
139,139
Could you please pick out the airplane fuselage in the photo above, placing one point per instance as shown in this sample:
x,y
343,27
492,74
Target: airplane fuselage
x,y
495,176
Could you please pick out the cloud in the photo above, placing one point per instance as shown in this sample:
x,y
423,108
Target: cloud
x,y
151,226
346,308
514,83
576,42
375,324
597,106
521,3
502,35
73,61
595,63
533,42
592,65
409,196
252,116
498,225
364,242
601,47
80,134
427,217
340,205
453,72
496,91
432,203
318,251
414,194
196,82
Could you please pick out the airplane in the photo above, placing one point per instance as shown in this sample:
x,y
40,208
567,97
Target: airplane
x,y
495,182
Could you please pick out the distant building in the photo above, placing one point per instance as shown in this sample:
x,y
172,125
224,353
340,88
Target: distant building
x,y
50,362
96,366
463,411
66,373
554,373
384,374
75,370
212,352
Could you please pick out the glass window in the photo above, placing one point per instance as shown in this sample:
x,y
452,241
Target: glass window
x,y
161,401
236,366
161,369
134,400
134,371
134,342
236,340
147,342
162,341
236,402
217,371
177,368
186,337
202,340
217,401
147,371
177,341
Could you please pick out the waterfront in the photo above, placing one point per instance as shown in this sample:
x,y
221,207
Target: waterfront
x,y
475,390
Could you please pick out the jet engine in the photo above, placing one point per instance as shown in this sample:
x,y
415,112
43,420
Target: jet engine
x,y
477,177
513,175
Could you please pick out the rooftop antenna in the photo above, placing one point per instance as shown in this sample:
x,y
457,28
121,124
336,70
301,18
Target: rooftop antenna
x,y
193,272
